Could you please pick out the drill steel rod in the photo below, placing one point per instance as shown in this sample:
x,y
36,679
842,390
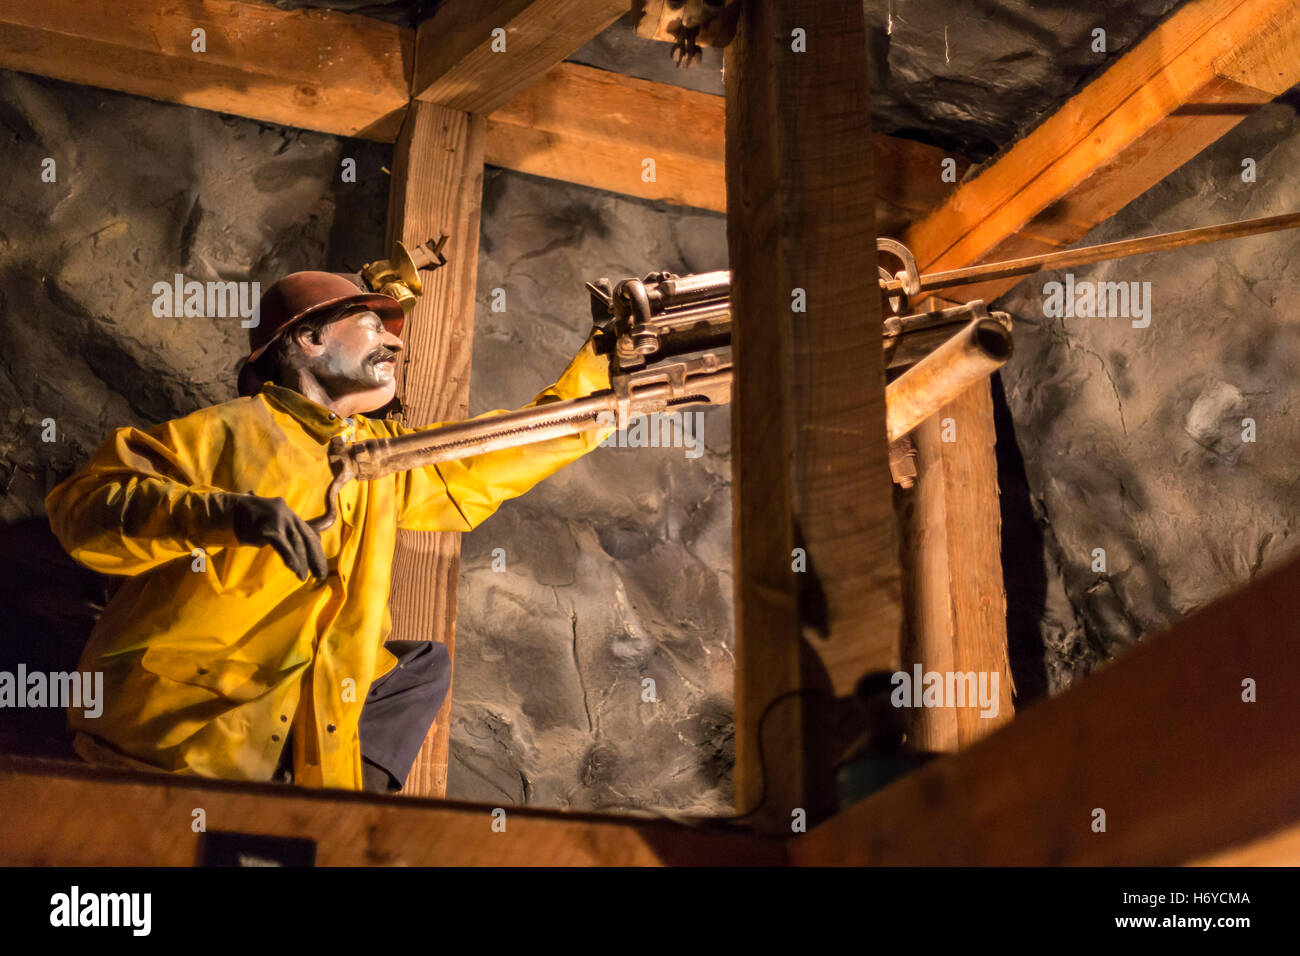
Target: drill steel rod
x,y
377,457
1088,254
977,350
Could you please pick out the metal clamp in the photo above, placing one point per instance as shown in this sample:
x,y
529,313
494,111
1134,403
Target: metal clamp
x,y
910,277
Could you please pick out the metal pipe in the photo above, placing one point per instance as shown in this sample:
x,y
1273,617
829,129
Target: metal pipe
x,y
910,338
1088,254
974,353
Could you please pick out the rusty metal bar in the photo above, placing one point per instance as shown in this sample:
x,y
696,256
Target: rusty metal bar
x,y
1089,254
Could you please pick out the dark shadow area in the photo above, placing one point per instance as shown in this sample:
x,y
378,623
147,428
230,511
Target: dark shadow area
x,y
53,605
407,13
813,611
1024,569
360,209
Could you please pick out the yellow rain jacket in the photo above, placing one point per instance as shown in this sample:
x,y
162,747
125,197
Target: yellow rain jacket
x,y
209,657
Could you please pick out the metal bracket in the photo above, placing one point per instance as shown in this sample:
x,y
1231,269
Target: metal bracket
x,y
910,277
689,25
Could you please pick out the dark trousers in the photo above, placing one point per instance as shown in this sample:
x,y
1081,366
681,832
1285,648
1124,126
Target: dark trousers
x,y
396,717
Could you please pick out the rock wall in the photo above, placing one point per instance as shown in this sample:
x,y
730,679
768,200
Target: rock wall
x,y
976,75
143,191
614,571
1132,438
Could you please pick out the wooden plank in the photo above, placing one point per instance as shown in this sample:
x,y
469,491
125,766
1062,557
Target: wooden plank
x,y
314,69
1161,740
55,814
437,187
809,458
956,602
1196,76
589,126
575,123
1277,849
596,128
456,65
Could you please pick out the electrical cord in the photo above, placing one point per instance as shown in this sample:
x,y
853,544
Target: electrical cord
x,y
728,822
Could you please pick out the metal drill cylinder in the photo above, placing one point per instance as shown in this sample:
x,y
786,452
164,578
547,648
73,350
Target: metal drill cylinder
x,y
970,356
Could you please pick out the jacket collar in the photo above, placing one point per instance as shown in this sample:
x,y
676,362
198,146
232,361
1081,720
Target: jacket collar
x,y
316,419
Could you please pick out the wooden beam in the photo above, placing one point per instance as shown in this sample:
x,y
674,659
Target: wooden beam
x,y
437,187
460,61
809,457
1276,849
575,123
596,128
1193,78
313,69
956,602
1162,741
56,814
592,127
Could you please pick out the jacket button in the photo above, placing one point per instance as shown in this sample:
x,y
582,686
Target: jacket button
x,y
275,737
284,719
330,728
203,670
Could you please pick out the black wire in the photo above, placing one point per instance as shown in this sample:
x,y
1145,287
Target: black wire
x,y
714,822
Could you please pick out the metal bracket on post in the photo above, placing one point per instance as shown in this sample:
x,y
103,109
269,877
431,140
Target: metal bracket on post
x,y
909,278
688,25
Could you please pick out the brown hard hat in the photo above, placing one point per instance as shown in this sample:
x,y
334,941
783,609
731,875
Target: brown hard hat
x,y
301,295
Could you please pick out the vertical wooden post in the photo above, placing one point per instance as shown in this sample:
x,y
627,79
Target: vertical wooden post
x,y
956,602
437,186
809,454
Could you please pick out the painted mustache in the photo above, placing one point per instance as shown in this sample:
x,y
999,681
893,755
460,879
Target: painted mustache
x,y
381,355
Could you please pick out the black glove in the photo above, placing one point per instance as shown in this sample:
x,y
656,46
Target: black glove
x,y
259,521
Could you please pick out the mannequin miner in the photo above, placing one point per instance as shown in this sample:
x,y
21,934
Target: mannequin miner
x,y
267,660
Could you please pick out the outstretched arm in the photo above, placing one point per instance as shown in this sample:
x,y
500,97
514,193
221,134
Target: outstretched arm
x,y
459,495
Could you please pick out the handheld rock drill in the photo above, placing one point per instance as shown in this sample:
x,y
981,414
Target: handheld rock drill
x,y
668,339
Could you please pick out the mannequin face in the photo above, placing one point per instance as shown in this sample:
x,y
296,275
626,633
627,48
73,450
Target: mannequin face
x,y
351,362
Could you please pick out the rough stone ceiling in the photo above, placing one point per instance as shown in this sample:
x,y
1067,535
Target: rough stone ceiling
x,y
968,75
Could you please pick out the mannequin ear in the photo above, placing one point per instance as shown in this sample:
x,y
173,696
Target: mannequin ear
x,y
309,339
